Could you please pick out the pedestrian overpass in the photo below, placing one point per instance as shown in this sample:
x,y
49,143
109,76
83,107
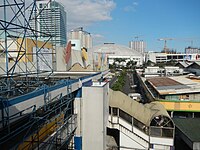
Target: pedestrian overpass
x,y
140,126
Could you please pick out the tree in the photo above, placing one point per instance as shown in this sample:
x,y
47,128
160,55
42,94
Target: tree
x,y
131,64
119,60
119,84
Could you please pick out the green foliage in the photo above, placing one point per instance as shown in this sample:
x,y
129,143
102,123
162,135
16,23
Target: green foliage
x,y
131,64
119,84
149,63
168,63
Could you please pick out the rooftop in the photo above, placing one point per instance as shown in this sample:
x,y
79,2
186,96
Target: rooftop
x,y
175,85
115,50
163,81
190,127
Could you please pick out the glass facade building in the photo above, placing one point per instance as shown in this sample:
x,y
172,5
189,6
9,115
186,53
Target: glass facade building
x,y
51,21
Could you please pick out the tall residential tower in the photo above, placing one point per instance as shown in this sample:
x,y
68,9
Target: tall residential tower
x,y
51,19
139,46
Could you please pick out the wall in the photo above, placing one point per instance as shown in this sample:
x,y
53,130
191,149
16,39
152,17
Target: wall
x,y
94,116
28,45
60,59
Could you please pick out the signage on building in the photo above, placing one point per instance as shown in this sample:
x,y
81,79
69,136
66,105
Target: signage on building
x,y
197,57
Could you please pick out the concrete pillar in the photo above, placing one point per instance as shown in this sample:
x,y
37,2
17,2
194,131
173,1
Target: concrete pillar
x,y
94,117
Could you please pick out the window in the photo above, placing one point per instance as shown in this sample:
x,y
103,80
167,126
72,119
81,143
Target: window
x,y
114,111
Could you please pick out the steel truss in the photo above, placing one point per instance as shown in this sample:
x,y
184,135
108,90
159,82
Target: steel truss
x,y
28,131
19,75
15,29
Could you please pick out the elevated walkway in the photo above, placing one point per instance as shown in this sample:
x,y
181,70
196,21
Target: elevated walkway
x,y
141,126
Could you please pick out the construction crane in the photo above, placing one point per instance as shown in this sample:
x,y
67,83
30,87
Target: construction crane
x,y
165,49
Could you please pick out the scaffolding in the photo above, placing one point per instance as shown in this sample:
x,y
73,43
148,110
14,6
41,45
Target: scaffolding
x,y
23,50
51,126
19,26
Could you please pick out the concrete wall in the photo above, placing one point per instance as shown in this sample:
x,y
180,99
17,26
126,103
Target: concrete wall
x,y
76,57
77,110
152,69
60,59
94,116
194,97
143,86
126,142
20,67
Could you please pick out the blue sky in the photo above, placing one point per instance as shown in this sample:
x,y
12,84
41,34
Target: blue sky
x,y
120,21
151,20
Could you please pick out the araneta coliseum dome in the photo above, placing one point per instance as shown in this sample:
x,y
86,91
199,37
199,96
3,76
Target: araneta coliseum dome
x,y
112,51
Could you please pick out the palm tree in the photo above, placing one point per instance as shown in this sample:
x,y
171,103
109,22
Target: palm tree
x,y
131,64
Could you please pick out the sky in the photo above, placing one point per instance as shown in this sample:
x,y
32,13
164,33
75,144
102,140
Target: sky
x,y
121,21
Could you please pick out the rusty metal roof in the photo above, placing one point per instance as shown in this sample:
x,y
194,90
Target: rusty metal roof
x,y
163,81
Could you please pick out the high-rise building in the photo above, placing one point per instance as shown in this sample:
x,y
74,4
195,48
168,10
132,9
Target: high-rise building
x,y
50,20
139,46
82,37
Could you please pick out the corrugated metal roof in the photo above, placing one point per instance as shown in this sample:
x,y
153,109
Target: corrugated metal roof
x,y
194,63
190,127
163,81
184,63
172,87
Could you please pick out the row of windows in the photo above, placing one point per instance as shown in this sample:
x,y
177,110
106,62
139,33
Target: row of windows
x,y
153,131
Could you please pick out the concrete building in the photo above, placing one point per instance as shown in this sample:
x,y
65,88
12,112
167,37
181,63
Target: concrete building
x,y
175,88
162,71
62,113
194,68
51,19
139,126
92,129
139,46
192,50
157,57
180,95
107,53
80,38
45,51
183,65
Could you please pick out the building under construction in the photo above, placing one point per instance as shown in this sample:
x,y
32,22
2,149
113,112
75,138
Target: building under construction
x,y
41,108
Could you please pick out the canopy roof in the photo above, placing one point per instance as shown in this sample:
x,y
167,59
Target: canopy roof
x,y
144,113
115,50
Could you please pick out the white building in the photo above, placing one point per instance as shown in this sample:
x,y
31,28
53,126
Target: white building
x,y
192,50
139,46
157,57
110,51
80,37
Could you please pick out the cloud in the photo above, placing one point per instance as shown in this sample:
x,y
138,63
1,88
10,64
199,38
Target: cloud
x,y
97,35
98,39
82,13
131,7
86,12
